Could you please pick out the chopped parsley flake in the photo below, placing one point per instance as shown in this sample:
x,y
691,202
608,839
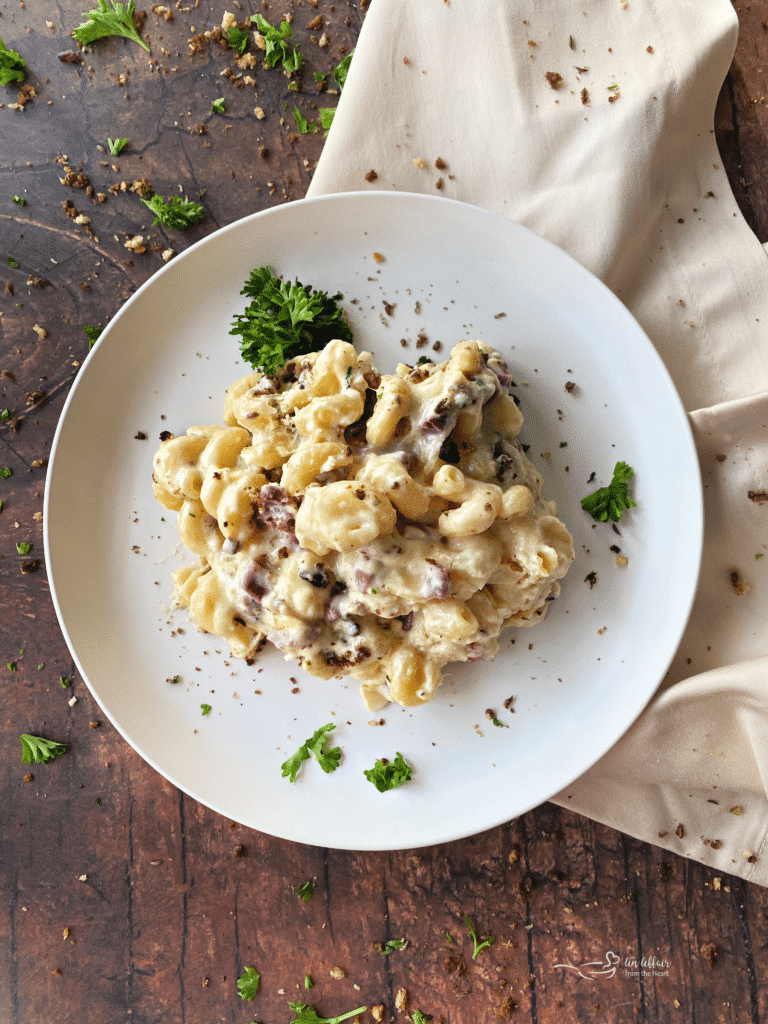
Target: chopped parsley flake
x,y
37,750
237,39
389,774
392,945
11,262
302,123
23,547
304,890
327,115
5,473
340,77
206,709
218,106
105,21
19,200
116,146
248,983
341,70
327,759
13,67
611,501
175,213
93,334
276,48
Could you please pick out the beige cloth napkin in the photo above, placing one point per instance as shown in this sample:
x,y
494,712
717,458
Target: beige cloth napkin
x,y
626,177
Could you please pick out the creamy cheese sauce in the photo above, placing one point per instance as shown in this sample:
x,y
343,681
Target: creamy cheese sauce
x,y
378,526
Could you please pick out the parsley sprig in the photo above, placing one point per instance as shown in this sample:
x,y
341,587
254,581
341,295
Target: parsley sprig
x,y
479,944
38,750
389,774
306,1014
284,320
106,20
13,67
327,759
611,501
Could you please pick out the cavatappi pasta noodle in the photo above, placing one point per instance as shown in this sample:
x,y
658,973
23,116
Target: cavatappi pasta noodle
x,y
378,526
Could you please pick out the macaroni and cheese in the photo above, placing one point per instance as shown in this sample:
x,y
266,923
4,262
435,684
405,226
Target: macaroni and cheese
x,y
366,524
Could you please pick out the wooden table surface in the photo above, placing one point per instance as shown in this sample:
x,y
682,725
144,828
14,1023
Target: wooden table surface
x,y
123,900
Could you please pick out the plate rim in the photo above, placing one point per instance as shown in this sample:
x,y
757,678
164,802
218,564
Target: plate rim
x,y
376,196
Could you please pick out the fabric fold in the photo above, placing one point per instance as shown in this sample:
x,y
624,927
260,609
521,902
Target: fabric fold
x,y
592,124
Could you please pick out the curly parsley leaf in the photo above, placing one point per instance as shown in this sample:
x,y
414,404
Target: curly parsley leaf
x,y
284,320
306,1014
276,48
37,750
304,890
389,774
479,944
248,983
611,501
13,67
175,213
106,20
327,759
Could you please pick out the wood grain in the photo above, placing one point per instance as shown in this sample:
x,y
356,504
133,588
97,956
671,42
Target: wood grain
x,y
123,900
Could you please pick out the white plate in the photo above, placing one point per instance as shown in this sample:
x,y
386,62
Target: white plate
x,y
579,679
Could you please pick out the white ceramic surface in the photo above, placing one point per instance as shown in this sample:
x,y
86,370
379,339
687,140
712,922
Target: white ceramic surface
x,y
579,679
